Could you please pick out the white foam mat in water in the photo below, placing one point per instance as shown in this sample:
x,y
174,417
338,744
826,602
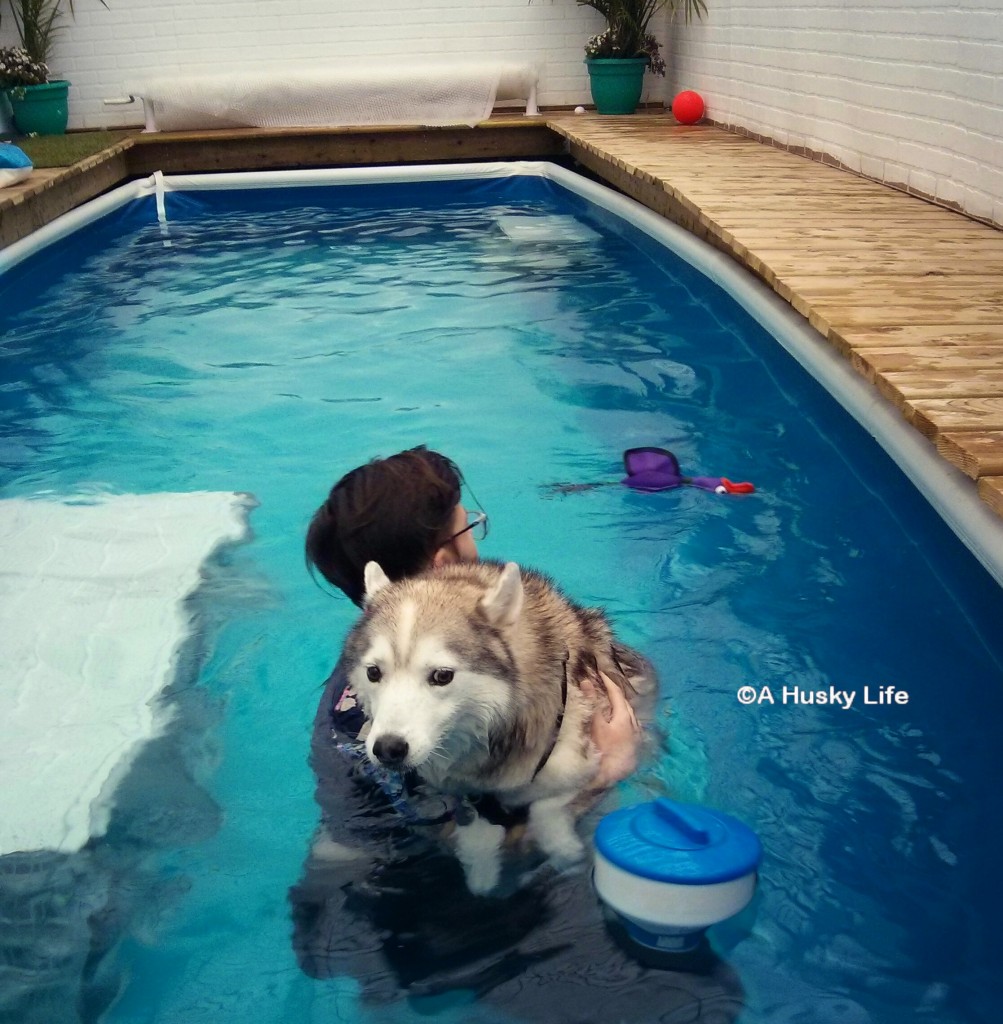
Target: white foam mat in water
x,y
556,227
92,617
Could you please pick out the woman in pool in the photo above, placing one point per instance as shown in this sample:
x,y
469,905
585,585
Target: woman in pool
x,y
378,892
405,513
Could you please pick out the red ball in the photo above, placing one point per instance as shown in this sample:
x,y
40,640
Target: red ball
x,y
687,107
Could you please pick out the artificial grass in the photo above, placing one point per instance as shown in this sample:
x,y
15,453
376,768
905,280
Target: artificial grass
x,y
64,150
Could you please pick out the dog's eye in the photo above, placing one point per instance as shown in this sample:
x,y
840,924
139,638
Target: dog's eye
x,y
373,673
441,677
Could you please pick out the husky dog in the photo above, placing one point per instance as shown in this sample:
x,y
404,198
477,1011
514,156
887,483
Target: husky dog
x,y
469,675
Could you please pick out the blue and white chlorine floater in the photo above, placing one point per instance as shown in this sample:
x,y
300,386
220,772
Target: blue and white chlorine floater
x,y
670,870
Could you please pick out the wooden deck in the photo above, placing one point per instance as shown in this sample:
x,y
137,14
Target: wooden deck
x,y
909,292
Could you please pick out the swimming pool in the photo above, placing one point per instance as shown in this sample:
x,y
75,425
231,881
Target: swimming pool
x,y
266,341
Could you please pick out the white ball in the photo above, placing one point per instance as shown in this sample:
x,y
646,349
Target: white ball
x,y
579,110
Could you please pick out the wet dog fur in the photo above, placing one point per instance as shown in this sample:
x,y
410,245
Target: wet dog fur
x,y
470,676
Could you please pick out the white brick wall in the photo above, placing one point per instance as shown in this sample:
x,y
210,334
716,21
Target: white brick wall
x,y
102,50
909,92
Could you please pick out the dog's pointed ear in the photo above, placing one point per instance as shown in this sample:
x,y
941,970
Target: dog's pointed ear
x,y
375,579
503,602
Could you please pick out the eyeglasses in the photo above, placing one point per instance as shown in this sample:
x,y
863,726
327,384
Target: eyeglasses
x,y
477,525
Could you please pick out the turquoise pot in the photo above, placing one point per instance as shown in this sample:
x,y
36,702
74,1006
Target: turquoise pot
x,y
41,109
6,114
616,83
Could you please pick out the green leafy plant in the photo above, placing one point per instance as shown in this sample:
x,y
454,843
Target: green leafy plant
x,y
628,24
38,22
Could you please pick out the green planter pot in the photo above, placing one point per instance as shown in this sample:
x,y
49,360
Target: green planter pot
x,y
41,109
616,83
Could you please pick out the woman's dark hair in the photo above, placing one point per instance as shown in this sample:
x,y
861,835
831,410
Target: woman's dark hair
x,y
396,511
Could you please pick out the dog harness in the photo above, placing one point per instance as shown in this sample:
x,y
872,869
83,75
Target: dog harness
x,y
560,717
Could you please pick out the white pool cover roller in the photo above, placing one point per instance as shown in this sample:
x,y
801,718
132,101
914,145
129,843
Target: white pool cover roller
x,y
424,94
92,617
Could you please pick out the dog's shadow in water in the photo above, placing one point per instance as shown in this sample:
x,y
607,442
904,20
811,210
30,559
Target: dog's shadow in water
x,y
544,951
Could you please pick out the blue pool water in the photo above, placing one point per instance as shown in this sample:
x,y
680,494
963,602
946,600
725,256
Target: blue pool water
x,y
270,340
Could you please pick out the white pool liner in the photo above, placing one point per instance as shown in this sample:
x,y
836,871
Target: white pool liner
x,y
92,618
947,489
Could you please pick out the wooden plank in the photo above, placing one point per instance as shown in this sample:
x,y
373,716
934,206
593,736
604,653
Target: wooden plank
x,y
977,454
51,193
748,200
991,492
851,300
247,149
819,210
830,260
925,220
836,233
935,416
977,382
902,289
763,190
871,312
940,335
955,359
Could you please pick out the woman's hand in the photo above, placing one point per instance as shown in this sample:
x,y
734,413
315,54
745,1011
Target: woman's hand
x,y
616,737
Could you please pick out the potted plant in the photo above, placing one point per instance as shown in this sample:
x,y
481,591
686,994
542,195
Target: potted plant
x,y
618,57
41,105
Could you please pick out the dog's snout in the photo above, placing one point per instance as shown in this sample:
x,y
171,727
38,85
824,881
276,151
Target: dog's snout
x,y
391,750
